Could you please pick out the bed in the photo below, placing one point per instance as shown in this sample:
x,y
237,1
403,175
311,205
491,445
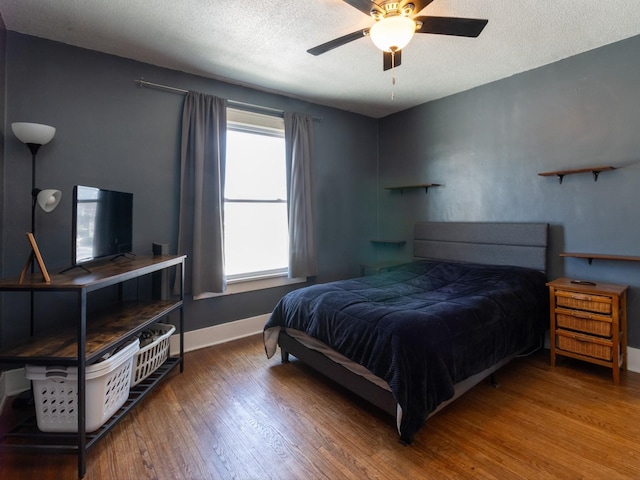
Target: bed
x,y
413,339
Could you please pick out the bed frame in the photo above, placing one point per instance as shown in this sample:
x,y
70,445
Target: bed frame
x,y
519,244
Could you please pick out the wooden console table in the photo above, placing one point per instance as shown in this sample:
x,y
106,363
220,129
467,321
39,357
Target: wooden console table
x,y
97,331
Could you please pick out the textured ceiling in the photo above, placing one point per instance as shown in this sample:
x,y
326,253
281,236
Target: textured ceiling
x,y
263,43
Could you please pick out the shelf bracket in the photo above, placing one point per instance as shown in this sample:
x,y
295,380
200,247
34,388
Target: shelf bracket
x,y
595,171
426,190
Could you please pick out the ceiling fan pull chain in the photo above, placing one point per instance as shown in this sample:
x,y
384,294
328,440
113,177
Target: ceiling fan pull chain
x,y
393,74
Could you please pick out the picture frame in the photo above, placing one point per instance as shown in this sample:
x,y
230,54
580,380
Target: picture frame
x,y
35,253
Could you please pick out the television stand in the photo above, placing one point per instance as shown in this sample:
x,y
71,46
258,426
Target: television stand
x,y
95,332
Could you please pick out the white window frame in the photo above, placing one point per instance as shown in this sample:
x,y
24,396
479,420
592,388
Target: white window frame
x,y
260,124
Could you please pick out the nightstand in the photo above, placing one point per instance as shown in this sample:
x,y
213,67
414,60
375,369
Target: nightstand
x,y
589,322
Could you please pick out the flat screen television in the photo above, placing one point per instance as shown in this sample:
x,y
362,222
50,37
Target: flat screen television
x,y
102,223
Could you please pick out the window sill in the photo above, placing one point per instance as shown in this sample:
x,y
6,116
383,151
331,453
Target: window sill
x,y
251,285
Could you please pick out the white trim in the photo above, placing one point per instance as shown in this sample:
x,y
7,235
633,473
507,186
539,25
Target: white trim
x,y
227,332
16,381
206,337
251,285
3,390
256,122
633,359
633,355
12,382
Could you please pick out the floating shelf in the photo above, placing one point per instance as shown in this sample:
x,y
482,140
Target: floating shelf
x,y
561,173
598,256
421,185
389,242
379,267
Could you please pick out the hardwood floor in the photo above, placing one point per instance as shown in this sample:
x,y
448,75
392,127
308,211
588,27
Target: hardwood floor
x,y
233,414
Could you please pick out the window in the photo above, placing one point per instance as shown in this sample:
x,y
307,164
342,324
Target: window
x,y
256,235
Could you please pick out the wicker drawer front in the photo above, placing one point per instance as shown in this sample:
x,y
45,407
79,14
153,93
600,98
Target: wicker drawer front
x,y
573,343
584,324
581,301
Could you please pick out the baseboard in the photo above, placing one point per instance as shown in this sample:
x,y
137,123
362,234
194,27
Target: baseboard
x,y
633,355
206,337
633,359
12,382
226,332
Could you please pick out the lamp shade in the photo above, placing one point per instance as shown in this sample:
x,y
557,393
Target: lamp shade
x,y
392,33
49,199
35,133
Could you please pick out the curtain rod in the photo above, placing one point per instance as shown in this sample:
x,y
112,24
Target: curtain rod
x,y
233,103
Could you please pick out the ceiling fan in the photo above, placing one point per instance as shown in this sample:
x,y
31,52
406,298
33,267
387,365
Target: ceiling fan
x,y
394,27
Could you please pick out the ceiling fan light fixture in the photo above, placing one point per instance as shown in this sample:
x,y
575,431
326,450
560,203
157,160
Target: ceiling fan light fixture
x,y
392,33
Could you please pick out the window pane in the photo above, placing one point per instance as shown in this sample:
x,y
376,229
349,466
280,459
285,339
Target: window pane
x,y
255,167
256,233
256,237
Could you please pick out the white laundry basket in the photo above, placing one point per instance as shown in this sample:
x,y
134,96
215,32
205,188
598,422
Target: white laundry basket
x,y
107,389
151,356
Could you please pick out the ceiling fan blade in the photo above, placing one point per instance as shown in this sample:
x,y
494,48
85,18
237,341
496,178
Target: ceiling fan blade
x,y
387,64
419,5
460,27
364,6
338,42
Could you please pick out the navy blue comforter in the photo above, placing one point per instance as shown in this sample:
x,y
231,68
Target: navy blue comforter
x,y
422,327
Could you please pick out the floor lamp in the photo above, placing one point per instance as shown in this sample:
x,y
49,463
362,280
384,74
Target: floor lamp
x,y
34,135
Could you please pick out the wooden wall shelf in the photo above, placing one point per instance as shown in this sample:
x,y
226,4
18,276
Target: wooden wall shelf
x,y
561,173
598,256
426,187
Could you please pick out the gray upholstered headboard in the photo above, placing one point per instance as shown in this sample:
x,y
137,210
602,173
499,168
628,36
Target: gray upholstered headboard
x,y
520,244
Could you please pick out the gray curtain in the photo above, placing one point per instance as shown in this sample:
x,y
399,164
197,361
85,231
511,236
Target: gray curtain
x,y
298,132
200,235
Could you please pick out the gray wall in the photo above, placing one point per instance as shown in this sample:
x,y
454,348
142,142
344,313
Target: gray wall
x,y
487,146
113,134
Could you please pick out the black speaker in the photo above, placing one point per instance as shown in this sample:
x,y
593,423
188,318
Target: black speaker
x,y
160,248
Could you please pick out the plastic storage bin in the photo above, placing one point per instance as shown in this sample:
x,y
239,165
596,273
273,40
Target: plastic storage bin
x,y
107,389
151,356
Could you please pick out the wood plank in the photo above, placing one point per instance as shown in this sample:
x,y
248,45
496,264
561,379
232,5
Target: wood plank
x,y
594,289
418,185
235,414
601,256
576,170
101,274
104,330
